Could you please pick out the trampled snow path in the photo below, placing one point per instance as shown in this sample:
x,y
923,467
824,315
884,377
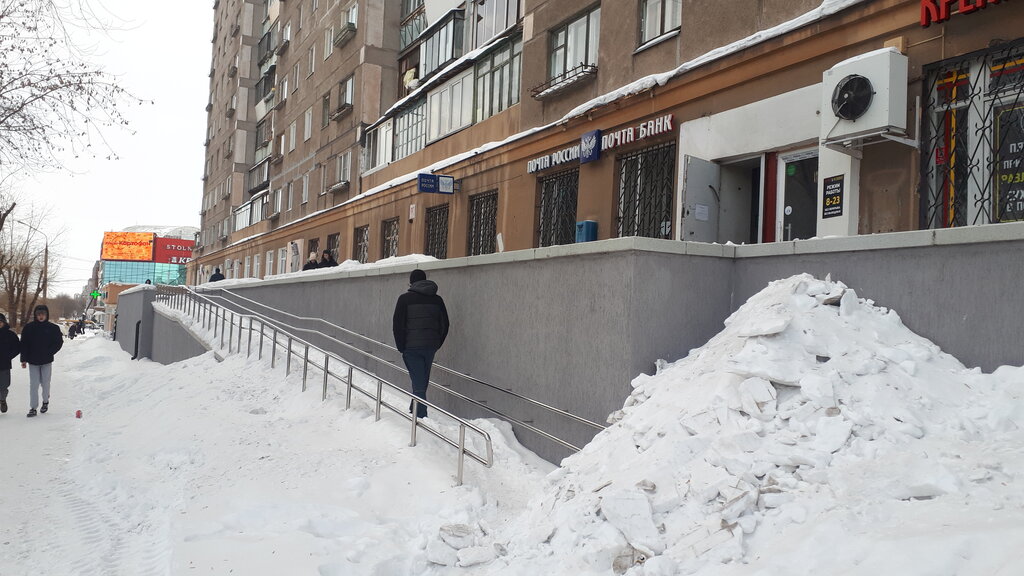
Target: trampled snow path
x,y
223,468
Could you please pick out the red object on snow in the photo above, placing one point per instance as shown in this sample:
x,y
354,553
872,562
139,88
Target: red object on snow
x,y
78,413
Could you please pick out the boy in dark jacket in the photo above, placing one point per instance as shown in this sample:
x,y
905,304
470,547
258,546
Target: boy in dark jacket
x,y
40,340
420,325
10,346
327,260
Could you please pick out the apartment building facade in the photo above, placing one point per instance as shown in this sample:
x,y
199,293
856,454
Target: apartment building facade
x,y
550,122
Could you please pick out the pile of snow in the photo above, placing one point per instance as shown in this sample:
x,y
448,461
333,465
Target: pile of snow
x,y
815,434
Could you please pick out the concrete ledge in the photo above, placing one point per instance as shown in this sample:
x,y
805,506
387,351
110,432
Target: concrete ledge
x,y
975,234
917,238
759,250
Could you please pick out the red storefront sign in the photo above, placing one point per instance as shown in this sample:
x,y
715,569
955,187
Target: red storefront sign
x,y
938,11
173,251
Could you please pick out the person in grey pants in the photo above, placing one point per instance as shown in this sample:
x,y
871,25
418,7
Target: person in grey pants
x,y
40,341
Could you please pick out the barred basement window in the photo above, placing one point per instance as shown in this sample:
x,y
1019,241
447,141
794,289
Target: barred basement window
x,y
557,208
389,238
437,232
646,185
333,244
361,244
483,223
972,139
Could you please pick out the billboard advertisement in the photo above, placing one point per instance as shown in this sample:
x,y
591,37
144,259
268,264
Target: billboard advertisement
x,y
130,246
173,251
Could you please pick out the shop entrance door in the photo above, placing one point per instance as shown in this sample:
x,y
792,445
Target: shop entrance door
x,y
798,196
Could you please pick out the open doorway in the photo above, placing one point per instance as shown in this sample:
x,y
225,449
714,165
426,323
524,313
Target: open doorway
x,y
741,202
798,195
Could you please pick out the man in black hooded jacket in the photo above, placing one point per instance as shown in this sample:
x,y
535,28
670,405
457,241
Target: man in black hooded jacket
x,y
10,346
420,325
40,340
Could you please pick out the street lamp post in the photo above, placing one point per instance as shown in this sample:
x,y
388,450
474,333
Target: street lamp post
x,y
46,255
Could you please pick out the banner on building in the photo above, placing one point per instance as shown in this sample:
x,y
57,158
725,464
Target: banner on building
x,y
128,246
173,251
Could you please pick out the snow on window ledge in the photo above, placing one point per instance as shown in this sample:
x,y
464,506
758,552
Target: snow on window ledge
x,y
655,41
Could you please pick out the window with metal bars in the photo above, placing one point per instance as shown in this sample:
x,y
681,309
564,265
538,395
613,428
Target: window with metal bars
x,y
333,244
646,185
437,232
972,139
483,223
389,238
557,210
361,244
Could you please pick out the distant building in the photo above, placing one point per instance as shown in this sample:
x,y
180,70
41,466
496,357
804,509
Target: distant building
x,y
139,253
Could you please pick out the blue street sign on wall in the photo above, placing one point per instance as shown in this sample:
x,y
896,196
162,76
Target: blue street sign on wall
x,y
435,184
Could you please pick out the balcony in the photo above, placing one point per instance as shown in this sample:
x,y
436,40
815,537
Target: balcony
x,y
209,106
341,111
283,46
412,26
344,34
341,186
569,79
258,177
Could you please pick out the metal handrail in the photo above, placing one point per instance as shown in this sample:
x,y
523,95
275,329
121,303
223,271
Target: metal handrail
x,y
444,389
212,314
443,368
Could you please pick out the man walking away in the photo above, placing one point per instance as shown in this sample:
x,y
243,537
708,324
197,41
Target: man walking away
x,y
10,346
216,276
420,325
40,340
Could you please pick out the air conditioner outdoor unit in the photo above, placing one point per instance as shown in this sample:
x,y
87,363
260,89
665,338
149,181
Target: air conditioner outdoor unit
x,y
864,101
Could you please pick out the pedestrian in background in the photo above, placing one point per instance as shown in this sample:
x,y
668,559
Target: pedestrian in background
x,y
328,261
312,263
216,276
40,341
10,346
420,325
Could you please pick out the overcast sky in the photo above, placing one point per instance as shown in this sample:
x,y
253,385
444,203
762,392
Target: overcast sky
x,y
161,53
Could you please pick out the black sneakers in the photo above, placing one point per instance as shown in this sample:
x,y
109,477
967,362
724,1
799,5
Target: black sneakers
x,y
45,407
3,405
31,412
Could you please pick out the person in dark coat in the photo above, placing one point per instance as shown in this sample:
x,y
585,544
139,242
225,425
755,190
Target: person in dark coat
x,y
420,325
216,276
327,260
312,263
40,341
10,347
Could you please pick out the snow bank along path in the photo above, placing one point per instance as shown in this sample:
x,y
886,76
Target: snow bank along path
x,y
814,435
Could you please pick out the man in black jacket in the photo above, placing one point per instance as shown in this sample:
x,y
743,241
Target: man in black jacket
x,y
327,260
216,276
10,346
420,325
40,340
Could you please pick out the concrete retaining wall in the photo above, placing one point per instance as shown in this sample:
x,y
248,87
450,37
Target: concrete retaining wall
x,y
572,325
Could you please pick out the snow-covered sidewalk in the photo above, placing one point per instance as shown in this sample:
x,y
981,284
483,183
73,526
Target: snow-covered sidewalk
x,y
218,468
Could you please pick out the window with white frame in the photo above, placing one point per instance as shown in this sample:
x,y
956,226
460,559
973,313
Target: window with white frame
x,y
443,45
286,33
311,61
659,17
307,124
575,44
346,89
328,41
270,262
305,187
449,107
343,167
291,136
377,151
498,78
277,201
410,130
256,266
288,192
282,260
352,14
325,110
295,77
248,266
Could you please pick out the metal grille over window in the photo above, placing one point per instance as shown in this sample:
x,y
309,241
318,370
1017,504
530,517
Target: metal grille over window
x,y
437,232
972,139
361,244
558,208
646,184
483,223
389,235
